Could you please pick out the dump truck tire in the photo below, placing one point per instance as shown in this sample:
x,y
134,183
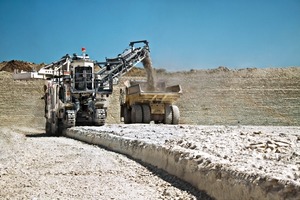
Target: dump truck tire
x,y
146,114
175,114
127,115
54,127
168,115
136,114
48,128
60,128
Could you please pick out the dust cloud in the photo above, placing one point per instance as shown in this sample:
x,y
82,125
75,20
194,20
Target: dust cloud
x,y
150,73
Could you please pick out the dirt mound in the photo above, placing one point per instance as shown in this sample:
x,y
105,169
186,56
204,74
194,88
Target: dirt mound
x,y
16,64
37,67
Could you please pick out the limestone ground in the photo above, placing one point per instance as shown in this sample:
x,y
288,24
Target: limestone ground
x,y
36,166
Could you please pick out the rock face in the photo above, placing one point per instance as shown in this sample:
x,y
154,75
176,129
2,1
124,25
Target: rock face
x,y
21,102
210,97
233,97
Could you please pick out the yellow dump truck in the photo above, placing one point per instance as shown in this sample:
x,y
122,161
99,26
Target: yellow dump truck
x,y
143,104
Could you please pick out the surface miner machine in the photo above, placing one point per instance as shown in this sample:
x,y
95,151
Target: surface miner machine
x,y
75,94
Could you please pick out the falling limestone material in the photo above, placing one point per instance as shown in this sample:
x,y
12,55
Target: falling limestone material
x,y
150,74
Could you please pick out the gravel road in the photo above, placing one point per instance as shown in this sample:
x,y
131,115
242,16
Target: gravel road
x,y
36,166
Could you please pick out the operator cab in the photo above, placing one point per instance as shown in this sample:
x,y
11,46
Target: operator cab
x,y
82,69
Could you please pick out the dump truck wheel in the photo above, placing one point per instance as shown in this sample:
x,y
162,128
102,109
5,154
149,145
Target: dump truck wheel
x,y
127,115
168,115
176,114
60,128
54,127
146,114
48,128
136,114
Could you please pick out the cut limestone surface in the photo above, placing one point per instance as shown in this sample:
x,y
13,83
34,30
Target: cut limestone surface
x,y
36,166
228,162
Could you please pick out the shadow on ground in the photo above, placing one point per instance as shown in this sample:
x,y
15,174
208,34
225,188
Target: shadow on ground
x,y
38,135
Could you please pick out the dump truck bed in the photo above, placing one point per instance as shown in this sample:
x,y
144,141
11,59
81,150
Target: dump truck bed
x,y
139,94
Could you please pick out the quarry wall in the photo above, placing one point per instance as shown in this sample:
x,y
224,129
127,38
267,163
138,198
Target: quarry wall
x,y
210,97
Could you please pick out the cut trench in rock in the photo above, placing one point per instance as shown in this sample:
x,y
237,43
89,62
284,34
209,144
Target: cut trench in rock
x,y
202,170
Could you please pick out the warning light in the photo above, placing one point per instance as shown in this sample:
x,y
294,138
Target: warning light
x,y
83,49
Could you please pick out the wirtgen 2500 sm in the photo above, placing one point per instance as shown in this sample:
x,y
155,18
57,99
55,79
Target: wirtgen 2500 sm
x,y
77,95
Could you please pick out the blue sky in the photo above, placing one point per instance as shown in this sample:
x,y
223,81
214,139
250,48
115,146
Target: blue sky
x,y
183,34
